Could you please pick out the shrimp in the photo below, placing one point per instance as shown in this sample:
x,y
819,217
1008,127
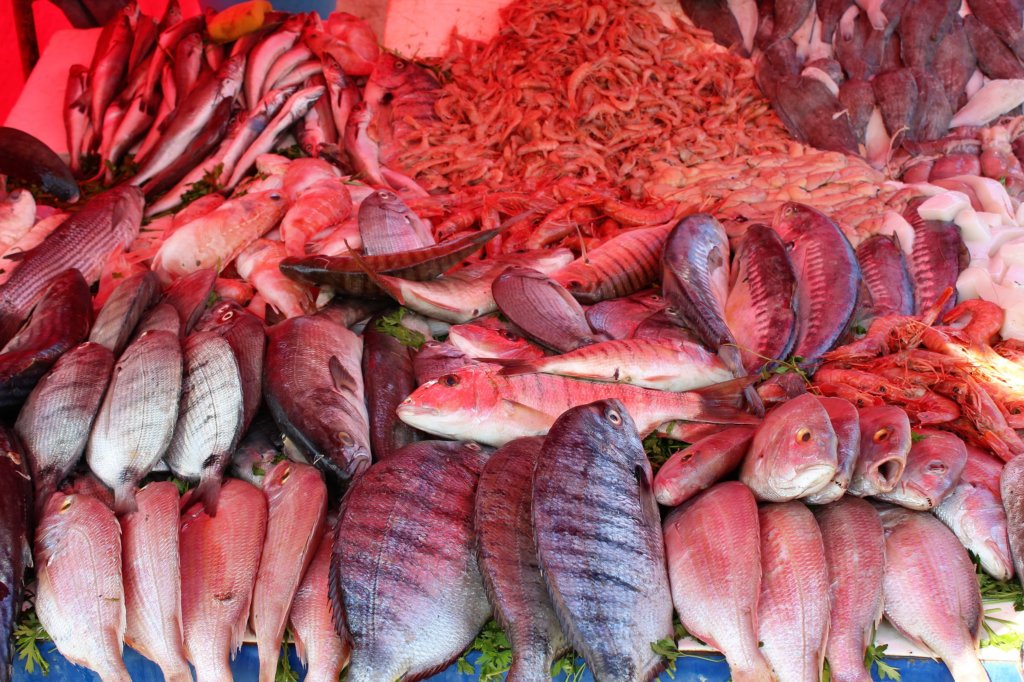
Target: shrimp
x,y
978,321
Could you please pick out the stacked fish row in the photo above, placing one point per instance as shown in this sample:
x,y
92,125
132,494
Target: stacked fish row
x,y
868,76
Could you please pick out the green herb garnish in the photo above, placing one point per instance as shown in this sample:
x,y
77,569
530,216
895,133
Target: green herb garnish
x,y
993,590
659,449
285,672
208,184
27,636
391,324
875,656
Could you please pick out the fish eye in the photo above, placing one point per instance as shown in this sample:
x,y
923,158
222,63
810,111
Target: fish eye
x,y
399,65
450,380
288,472
881,434
275,196
344,438
227,315
507,335
383,194
614,417
473,446
803,435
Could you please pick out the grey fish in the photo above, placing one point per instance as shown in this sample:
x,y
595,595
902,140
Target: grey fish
x,y
435,359
618,318
247,336
313,384
896,93
931,119
760,307
387,225
814,114
1006,19
827,275
846,423
593,470
1011,488
933,469
789,15
161,317
507,554
209,416
858,98
542,309
885,441
84,242
388,374
885,276
829,13
936,259
623,265
854,543
976,516
136,420
404,578
15,538
123,310
55,421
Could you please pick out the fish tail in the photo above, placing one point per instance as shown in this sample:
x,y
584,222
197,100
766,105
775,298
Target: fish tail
x,y
967,668
753,671
268,662
720,402
124,499
733,359
511,367
208,495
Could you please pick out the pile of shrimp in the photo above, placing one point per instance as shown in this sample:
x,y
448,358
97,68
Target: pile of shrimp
x,y
955,376
602,91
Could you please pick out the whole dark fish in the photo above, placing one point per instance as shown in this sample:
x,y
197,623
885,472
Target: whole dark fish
x,y
55,421
1011,488
162,317
760,307
933,469
542,309
922,29
814,114
313,384
593,469
701,465
885,276
885,441
827,276
1005,18
387,225
623,265
858,98
189,295
995,58
121,313
245,333
829,13
59,322
846,423
789,15
618,318
15,538
25,157
714,16
507,554
435,359
388,373
933,113
404,579
954,63
936,259
857,51
84,242
896,94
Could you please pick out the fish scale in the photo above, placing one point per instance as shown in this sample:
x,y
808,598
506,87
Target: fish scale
x,y
886,276
621,266
936,259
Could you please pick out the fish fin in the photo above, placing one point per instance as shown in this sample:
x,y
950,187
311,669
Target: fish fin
x,y
124,499
16,256
513,367
208,495
721,401
388,284
342,378
300,647
535,421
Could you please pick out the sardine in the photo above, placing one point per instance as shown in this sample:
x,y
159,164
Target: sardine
x,y
342,92
244,332
542,308
387,225
623,265
845,422
885,276
701,465
932,470
937,257
388,373
284,65
885,441
404,579
76,114
263,56
16,517
108,68
121,313
618,318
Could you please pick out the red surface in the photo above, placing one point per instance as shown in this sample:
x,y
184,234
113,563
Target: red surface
x,y
48,21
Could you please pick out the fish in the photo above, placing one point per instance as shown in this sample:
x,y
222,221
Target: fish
x,y
435,359
152,580
661,365
389,378
285,64
931,121
714,16
619,318
219,560
259,264
17,216
854,544
922,29
136,121
793,611
76,114
209,416
189,295
1011,490
701,465
937,257
79,594
845,422
266,53
342,92
789,15
793,452
479,341
759,309
886,276
976,516
245,333
320,649
858,97
623,265
404,579
136,420
161,317
827,276
313,385
188,58
931,593
933,469
813,113
885,442
592,462
1006,19
896,93
478,402
507,556
11,258
258,451
108,67
387,225
713,549
83,242
59,322
296,513
16,518
542,308
954,63
995,59
55,421
121,313
325,203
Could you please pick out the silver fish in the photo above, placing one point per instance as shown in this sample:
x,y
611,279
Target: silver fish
x,y
123,310
1011,487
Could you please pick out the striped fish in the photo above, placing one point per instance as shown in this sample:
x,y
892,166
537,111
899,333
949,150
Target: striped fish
x,y
619,267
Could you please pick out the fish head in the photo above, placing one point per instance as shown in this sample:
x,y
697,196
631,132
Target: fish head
x,y
885,441
608,423
485,342
934,465
581,281
454,405
391,75
795,447
794,219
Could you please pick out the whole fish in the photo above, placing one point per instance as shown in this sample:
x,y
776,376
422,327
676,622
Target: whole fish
x,y
976,516
845,422
296,511
263,56
388,374
342,92
135,423
542,308
313,385
885,276
759,310
387,225
665,366
55,421
79,595
161,317
11,258
76,114
1006,19
593,464
152,580
1011,488
713,549
16,537
285,64
922,29
189,296
83,242
136,120
121,313
508,560
219,559
937,257
435,359
897,96
885,442
59,322
854,545
793,612
623,265
714,16
618,318
479,341
259,264
404,579
244,332
827,276
933,469
108,67
995,59
319,647
931,593
954,63
209,416
478,402
701,465
188,58
793,452
325,203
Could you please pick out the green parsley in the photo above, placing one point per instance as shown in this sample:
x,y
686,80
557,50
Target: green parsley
x,y
391,324
27,636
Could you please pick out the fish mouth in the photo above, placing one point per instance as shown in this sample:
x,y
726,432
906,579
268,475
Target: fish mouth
x,y
407,409
887,473
811,479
